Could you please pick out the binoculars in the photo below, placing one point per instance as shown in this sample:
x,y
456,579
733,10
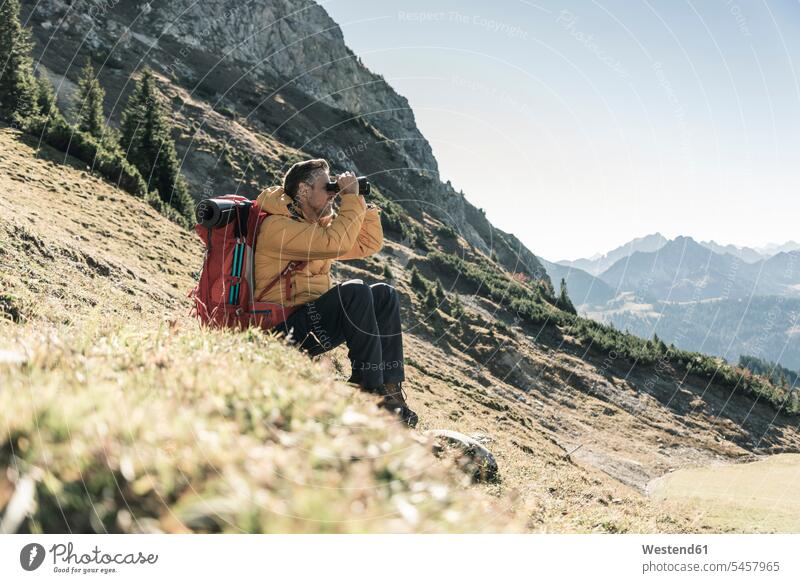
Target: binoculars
x,y
363,186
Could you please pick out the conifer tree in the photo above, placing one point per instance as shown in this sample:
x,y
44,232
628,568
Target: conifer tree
x,y
430,298
146,139
416,280
439,290
46,98
457,310
17,82
88,105
563,302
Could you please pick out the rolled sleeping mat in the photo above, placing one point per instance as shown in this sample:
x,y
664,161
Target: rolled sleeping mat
x,y
215,212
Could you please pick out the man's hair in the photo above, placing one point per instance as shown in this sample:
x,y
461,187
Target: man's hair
x,y
303,172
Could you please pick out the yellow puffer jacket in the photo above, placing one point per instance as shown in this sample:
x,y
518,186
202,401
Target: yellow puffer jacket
x,y
354,232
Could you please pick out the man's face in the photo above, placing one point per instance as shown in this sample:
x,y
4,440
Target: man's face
x,y
317,196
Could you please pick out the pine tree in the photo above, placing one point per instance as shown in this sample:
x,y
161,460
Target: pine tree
x,y
416,280
563,302
146,140
46,98
88,105
439,290
17,82
457,309
430,299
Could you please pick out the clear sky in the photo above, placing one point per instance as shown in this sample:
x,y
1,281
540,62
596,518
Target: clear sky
x,y
581,125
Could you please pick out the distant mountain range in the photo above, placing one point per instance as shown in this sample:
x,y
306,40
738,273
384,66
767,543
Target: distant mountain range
x,y
684,270
722,299
599,263
752,254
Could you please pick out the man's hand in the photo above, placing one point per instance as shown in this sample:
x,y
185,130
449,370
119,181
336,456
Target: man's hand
x,y
347,183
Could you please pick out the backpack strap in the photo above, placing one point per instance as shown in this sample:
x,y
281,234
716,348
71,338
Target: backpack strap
x,y
242,216
287,273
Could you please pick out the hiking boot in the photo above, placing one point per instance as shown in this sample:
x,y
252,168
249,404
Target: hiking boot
x,y
394,400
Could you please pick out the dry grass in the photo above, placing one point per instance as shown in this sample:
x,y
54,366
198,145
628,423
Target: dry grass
x,y
759,496
158,427
118,414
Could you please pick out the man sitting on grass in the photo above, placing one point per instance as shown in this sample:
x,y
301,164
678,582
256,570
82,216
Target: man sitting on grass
x,y
304,229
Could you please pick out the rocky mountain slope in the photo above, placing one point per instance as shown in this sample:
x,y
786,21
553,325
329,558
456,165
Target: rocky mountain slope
x,y
766,326
684,270
698,298
242,76
580,417
94,301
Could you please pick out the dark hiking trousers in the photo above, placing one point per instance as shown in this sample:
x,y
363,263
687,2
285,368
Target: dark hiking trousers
x,y
366,318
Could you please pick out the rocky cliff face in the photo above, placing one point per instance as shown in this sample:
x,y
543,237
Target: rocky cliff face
x,y
297,40
289,39
243,77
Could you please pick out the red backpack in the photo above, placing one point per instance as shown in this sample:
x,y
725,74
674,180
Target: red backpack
x,y
223,298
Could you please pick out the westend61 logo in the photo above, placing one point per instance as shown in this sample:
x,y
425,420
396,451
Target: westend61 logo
x,y
66,560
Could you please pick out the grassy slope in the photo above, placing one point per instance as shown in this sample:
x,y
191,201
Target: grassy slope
x,y
757,496
125,417
164,427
